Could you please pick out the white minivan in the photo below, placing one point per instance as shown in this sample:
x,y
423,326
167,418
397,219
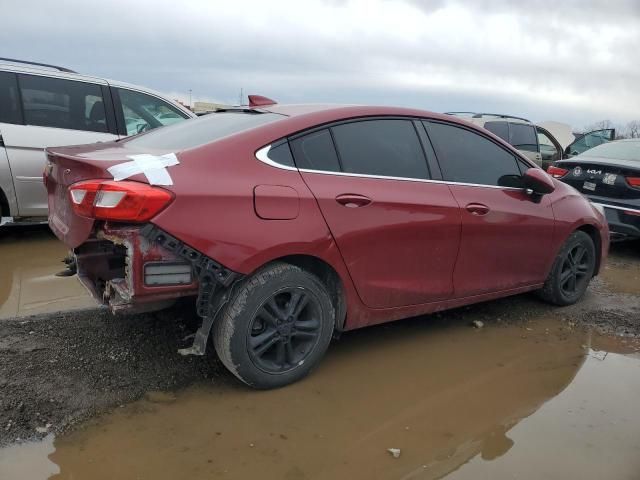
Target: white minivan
x,y
46,106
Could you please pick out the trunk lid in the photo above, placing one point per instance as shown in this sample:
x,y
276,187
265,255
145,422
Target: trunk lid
x,y
69,165
602,177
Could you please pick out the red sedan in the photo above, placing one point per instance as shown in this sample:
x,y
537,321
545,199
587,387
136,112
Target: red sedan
x,y
289,223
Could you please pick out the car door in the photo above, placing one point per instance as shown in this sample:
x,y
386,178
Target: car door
x,y
589,140
54,112
9,114
397,230
137,112
550,149
506,233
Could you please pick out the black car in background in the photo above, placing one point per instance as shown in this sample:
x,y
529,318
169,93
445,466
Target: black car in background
x,y
609,176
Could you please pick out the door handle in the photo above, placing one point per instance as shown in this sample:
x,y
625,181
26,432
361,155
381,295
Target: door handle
x,y
477,209
353,200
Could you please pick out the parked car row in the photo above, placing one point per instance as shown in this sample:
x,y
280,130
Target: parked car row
x,y
44,106
544,143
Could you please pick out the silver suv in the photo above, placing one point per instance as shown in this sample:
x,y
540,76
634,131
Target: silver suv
x,y
46,106
543,143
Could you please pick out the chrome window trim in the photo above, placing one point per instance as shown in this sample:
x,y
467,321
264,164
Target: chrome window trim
x,y
262,155
604,205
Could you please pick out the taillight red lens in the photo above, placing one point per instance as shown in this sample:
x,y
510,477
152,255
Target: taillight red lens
x,y
557,172
633,181
118,201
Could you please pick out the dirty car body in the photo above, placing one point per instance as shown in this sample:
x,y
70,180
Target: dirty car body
x,y
289,223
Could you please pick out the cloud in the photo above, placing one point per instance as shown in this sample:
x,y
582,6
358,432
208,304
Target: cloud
x,y
571,61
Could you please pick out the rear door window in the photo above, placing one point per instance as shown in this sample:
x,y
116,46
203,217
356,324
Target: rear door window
x,y
61,103
141,112
467,157
381,147
523,137
315,151
9,99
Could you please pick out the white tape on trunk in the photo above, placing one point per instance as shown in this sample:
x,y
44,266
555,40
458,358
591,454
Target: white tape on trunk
x,y
151,166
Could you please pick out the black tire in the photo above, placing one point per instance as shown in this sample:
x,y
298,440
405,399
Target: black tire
x,y
571,272
276,326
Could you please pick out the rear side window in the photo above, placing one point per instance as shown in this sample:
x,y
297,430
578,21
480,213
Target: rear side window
x,y
501,129
468,157
9,99
59,103
523,137
381,147
205,129
315,151
281,154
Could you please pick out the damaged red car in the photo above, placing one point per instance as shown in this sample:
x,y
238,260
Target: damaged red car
x,y
288,224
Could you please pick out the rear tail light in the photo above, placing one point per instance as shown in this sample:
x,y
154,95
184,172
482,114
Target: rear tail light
x,y
557,172
633,181
118,201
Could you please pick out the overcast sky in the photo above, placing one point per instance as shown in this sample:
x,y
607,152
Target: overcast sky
x,y
576,61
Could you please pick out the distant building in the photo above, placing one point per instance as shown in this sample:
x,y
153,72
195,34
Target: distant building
x,y
201,107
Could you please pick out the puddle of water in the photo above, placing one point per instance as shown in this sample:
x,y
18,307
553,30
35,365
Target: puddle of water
x,y
489,403
30,258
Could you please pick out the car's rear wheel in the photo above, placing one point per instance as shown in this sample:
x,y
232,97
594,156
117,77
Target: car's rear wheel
x,y
276,326
572,271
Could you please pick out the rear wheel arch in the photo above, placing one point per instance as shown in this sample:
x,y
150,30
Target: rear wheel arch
x,y
328,276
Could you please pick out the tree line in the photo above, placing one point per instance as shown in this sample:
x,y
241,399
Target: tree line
x,y
629,130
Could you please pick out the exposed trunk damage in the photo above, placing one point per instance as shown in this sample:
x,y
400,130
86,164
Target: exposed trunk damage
x,y
114,266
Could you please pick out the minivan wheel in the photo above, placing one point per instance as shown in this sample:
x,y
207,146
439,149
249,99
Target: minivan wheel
x,y
571,272
276,326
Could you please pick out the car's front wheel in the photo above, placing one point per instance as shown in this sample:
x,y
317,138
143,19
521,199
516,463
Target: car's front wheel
x,y
275,327
571,272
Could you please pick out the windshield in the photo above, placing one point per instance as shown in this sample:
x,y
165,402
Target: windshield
x,y
206,129
625,150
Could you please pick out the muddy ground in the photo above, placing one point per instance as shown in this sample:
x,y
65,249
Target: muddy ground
x,y
59,369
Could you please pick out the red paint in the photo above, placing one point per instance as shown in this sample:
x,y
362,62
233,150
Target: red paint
x,y
400,248
260,101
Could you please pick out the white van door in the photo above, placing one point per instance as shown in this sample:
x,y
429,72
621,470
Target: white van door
x,y
56,112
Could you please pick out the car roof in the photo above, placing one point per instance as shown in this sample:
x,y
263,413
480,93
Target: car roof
x,y
54,72
481,118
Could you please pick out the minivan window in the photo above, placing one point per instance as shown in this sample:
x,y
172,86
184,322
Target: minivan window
x,y
523,137
315,151
144,112
381,147
9,103
501,129
468,157
199,131
59,103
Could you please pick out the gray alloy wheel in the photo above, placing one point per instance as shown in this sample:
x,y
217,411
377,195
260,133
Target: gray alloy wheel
x,y
276,327
572,271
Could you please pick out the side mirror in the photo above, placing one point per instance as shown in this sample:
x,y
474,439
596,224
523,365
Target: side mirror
x,y
538,181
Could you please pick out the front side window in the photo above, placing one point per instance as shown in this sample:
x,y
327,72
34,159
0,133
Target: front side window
x,y
468,157
523,137
381,147
59,103
144,112
9,99
315,151
548,150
